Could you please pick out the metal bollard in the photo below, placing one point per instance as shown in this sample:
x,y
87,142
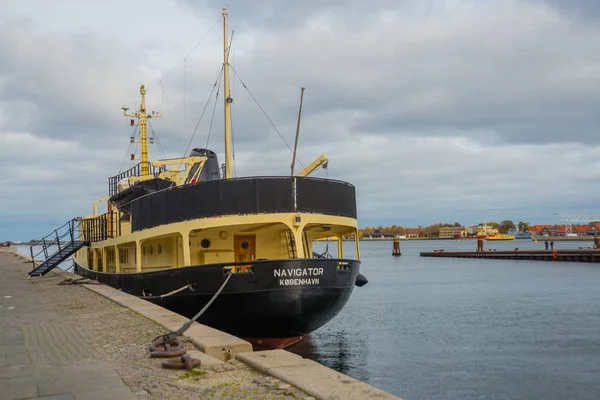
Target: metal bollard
x,y
396,251
480,244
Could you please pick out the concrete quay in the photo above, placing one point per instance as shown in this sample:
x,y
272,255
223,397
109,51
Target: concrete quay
x,y
116,364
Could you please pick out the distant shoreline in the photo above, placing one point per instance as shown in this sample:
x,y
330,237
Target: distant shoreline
x,y
540,239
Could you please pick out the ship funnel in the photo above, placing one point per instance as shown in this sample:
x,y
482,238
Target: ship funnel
x,y
210,171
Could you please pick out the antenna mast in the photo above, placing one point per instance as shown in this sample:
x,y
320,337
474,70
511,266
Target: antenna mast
x,y
142,117
227,98
297,130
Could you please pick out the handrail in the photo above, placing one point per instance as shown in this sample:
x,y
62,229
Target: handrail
x,y
133,171
102,227
57,237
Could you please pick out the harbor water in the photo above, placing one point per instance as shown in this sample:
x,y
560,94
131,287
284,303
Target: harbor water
x,y
443,328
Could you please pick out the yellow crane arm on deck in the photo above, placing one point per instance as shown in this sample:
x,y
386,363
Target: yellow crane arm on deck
x,y
320,161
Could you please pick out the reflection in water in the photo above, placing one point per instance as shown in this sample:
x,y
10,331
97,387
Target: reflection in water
x,y
338,350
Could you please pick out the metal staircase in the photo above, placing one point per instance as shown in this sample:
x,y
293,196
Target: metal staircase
x,y
62,238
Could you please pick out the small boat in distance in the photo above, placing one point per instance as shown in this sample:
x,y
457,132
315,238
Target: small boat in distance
x,y
519,234
499,236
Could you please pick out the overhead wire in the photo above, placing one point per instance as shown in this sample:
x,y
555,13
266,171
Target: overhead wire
x,y
214,110
187,56
203,111
127,151
164,76
265,114
164,96
155,136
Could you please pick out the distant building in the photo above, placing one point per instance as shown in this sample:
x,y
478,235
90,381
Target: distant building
x,y
485,229
448,232
411,232
377,234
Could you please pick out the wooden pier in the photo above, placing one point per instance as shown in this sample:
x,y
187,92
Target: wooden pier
x,y
586,255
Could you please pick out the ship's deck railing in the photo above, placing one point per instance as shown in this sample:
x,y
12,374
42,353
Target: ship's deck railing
x,y
256,195
102,227
133,171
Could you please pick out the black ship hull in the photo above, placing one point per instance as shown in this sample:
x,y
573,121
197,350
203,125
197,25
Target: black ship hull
x,y
278,299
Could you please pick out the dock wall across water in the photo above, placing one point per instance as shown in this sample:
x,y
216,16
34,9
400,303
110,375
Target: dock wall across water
x,y
580,255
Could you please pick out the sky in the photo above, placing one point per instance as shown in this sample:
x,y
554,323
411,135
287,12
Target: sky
x,y
436,110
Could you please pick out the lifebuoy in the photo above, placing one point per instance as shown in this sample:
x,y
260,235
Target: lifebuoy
x,y
555,254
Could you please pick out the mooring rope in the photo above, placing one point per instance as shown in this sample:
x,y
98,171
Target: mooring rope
x,y
171,336
181,289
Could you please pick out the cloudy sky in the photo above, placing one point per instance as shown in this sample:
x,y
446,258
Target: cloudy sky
x,y
437,110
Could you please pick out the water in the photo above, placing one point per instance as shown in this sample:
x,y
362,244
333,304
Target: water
x,y
442,328
24,249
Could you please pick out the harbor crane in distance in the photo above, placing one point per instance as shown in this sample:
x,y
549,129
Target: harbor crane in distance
x,y
569,218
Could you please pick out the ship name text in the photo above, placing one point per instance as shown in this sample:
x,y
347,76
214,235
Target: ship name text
x,y
298,272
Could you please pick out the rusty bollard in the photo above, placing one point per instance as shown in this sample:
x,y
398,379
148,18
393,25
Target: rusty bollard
x,y
396,251
480,244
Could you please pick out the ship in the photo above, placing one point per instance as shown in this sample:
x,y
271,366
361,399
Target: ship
x,y
519,234
177,230
500,236
460,236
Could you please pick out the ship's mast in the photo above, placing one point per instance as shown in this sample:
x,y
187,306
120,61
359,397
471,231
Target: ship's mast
x,y
227,98
142,117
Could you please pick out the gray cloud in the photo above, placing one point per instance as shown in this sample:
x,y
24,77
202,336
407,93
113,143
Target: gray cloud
x,y
452,110
277,15
579,9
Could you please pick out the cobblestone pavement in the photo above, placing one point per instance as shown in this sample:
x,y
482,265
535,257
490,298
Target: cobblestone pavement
x,y
75,326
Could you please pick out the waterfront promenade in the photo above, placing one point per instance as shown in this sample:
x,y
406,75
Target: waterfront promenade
x,y
75,342
42,353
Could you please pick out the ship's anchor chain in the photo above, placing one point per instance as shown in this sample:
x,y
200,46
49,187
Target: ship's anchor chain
x,y
167,346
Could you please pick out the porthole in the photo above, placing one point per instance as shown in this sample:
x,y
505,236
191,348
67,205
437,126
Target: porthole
x,y
205,243
245,245
159,249
151,249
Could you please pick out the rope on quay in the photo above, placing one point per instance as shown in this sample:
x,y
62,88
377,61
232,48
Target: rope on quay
x,y
167,346
80,281
181,289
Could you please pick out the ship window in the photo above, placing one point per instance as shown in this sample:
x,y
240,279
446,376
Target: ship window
x,y
245,245
151,249
205,243
123,253
159,249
